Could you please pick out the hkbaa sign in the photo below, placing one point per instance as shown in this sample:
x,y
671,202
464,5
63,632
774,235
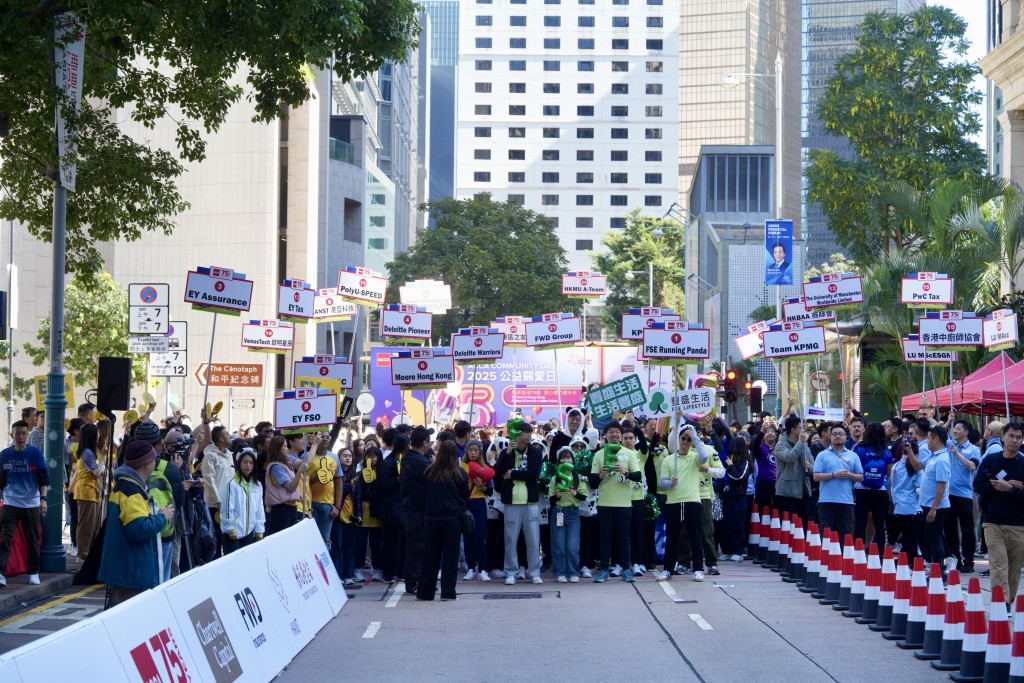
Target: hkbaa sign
x,y
328,307
833,290
422,369
584,285
792,341
913,352
477,346
951,330
268,336
327,367
796,311
362,286
295,301
553,331
638,319
1000,330
675,341
306,409
406,323
220,290
926,290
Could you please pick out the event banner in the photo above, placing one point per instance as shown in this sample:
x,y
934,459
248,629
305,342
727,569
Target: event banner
x,y
477,345
794,341
430,368
927,290
329,367
514,329
676,341
434,296
404,322
305,410
328,307
553,331
295,301
833,290
218,290
913,352
268,336
951,329
778,256
362,286
616,397
637,320
1000,330
795,311
584,285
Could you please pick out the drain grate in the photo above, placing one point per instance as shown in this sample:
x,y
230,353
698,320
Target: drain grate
x,y
512,596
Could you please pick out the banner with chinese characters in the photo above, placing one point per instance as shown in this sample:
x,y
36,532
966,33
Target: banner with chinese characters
x,y
616,397
959,330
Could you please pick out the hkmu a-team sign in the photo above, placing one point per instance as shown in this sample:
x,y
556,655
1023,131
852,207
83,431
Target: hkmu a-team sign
x,y
553,331
405,322
218,290
584,285
960,330
268,336
794,341
477,346
422,369
676,342
362,286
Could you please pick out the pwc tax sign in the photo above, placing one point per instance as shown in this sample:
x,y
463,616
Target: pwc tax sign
x,y
927,290
327,367
268,336
218,290
514,329
362,286
676,342
422,369
1000,329
584,285
794,341
405,322
960,330
833,290
636,320
553,331
477,346
751,344
295,301
305,410
328,307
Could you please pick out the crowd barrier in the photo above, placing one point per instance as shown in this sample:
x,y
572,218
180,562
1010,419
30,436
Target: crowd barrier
x,y
241,618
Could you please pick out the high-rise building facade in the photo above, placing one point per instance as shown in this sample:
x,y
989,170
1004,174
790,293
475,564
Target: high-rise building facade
x,y
571,108
830,30
993,95
443,33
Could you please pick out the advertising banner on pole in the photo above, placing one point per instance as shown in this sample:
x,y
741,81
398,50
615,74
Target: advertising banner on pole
x,y
778,252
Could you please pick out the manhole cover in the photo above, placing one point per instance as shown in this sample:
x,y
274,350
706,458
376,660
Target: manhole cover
x,y
511,596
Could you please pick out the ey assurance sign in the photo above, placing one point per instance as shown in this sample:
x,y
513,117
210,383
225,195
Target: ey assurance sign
x,y
220,290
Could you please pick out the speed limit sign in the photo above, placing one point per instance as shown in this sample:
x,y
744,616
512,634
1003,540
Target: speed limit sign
x,y
819,381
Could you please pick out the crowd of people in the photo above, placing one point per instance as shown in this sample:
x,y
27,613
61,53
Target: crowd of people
x,y
574,498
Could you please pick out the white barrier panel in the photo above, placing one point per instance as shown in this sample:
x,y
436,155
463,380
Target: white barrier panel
x,y
86,644
9,671
306,536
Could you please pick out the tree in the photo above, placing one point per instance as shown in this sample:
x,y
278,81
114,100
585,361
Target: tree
x,y
837,263
632,249
189,61
23,388
95,324
499,258
907,109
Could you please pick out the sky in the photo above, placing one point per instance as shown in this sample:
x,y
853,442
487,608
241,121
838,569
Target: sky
x,y
973,11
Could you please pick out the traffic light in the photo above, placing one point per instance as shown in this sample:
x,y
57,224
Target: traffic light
x,y
747,385
730,387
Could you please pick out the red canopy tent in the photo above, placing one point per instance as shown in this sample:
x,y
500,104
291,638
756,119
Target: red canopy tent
x,y
968,391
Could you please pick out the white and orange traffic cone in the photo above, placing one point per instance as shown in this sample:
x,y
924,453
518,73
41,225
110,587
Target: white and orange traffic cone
x,y
936,614
901,601
860,578
774,541
997,651
918,605
824,560
766,529
835,572
1017,646
887,593
754,536
972,653
872,586
812,563
846,580
798,560
952,627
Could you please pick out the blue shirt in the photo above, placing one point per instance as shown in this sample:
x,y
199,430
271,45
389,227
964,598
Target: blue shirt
x,y
24,472
868,455
923,452
837,490
937,470
905,498
993,445
961,480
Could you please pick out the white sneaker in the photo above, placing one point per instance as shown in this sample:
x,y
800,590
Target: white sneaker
x,y
377,575
665,576
484,577
74,551
521,574
562,579
638,570
499,573
950,563
643,568
585,573
33,579
470,575
574,579
510,580
439,576
698,576
3,581
616,570
537,580
348,582
358,576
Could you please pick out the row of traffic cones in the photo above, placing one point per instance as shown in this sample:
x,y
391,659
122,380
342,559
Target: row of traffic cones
x,y
891,598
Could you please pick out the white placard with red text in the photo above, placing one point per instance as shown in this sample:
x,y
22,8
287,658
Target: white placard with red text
x,y
307,409
363,287
269,336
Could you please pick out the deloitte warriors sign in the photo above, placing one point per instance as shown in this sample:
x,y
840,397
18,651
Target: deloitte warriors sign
x,y
477,346
220,290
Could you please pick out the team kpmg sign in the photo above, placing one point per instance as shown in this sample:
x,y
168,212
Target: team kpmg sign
x,y
833,290
362,286
477,346
927,290
751,344
405,322
913,352
553,331
676,341
295,301
796,311
794,341
1000,330
951,330
422,369
584,285
636,320
514,329
268,336
220,290
778,248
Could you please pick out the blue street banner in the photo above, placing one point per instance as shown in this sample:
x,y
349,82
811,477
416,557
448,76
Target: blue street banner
x,y
778,248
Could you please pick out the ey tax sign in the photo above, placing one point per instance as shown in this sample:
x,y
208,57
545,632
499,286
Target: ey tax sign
x,y
327,367
926,290
305,410
268,336
638,319
793,341
405,322
675,341
422,369
220,290
553,331
833,290
362,286
477,346
584,285
295,301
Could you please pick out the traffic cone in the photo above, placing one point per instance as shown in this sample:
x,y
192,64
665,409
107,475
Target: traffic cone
x,y
872,586
997,653
901,601
972,655
935,616
774,538
953,627
766,526
860,578
798,561
1017,647
754,537
785,545
825,562
846,580
887,593
835,573
918,605
809,584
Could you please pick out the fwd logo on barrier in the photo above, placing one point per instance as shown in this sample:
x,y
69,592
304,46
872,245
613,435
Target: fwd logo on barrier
x,y
166,651
252,615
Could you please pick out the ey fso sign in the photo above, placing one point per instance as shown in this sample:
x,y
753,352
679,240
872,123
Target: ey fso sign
x,y
305,410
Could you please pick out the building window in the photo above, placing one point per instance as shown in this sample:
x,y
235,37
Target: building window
x,y
620,2
483,87
617,223
584,66
620,200
655,67
584,200
549,200
553,88
620,178
517,88
652,133
652,110
584,155
584,222
549,155
553,22
584,133
655,44
483,42
620,67
652,200
655,22
584,178
516,132
552,43
620,88
484,20
517,110
551,110
585,22
517,43
482,109
649,2
584,111
620,133
552,2
652,178
620,22
652,156
585,43
517,65
380,199
482,177
620,110
620,43
549,177
551,133
377,221
517,2
483,65
585,88
517,155
483,154
584,245
484,2
516,177
653,89
517,20
552,65
482,132
377,243
519,199
586,2
620,155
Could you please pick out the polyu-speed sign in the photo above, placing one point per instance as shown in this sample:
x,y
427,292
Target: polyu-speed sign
x,y
328,367
477,345
362,286
305,410
793,342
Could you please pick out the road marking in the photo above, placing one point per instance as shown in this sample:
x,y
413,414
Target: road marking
x,y
372,629
396,596
51,603
701,622
671,592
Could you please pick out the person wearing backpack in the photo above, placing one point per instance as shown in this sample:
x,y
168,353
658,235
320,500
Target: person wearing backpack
x,y
165,488
871,495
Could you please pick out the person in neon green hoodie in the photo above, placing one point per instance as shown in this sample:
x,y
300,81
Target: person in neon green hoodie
x,y
614,498
680,477
712,469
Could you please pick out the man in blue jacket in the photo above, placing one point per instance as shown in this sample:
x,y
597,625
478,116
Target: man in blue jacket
x,y
132,559
24,481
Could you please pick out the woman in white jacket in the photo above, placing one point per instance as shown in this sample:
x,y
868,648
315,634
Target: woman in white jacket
x,y
242,517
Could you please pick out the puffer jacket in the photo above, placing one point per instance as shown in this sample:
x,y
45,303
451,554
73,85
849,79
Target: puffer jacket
x,y
241,511
131,545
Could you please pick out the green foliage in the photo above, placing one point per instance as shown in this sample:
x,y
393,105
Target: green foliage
x,y
904,101
762,313
633,249
189,61
837,263
499,258
95,324
23,388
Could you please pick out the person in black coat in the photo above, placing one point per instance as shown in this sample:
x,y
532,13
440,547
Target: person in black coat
x,y
386,505
447,490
